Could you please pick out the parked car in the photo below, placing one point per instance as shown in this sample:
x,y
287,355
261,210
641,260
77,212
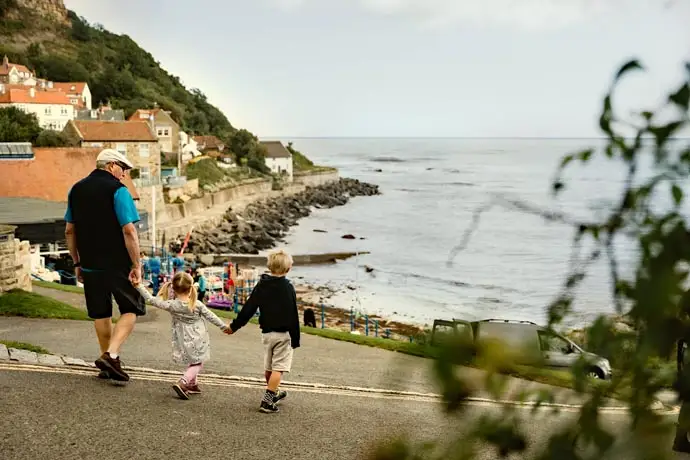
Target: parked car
x,y
535,341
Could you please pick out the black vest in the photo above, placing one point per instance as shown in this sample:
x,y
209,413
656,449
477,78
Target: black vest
x,y
100,241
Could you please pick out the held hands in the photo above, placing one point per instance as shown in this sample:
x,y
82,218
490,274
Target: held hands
x,y
135,275
227,330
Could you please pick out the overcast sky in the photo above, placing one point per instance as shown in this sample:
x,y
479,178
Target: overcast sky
x,y
465,68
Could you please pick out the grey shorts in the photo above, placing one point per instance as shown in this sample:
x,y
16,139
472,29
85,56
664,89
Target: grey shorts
x,y
277,351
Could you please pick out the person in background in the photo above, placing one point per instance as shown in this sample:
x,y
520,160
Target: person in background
x,y
104,245
200,279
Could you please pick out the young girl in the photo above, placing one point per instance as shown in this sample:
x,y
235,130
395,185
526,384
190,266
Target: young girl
x,y
190,340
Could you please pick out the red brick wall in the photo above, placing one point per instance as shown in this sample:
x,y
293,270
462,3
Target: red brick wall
x,y
50,175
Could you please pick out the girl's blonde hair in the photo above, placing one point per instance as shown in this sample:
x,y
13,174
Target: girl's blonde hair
x,y
182,283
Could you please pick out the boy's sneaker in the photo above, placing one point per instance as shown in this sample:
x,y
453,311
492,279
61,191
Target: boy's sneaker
x,y
105,375
194,389
181,389
112,366
279,396
268,408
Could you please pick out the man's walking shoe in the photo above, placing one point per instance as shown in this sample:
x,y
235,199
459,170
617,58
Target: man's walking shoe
x,y
279,396
182,390
268,408
105,375
112,366
194,389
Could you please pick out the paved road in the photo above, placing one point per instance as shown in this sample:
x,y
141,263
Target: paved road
x,y
55,415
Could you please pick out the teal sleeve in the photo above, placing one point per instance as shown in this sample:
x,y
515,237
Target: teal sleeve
x,y
68,213
125,209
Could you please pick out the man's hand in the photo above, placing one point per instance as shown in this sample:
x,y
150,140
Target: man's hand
x,y
227,330
135,275
77,273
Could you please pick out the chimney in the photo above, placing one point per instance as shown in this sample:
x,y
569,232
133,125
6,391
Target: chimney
x,y
32,92
5,62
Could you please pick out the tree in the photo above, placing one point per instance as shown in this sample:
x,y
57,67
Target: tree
x,y
655,299
50,138
18,126
81,30
6,5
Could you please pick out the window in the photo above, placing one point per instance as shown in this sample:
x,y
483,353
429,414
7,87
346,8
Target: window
x,y
166,132
160,132
143,150
121,148
63,111
144,173
49,111
551,342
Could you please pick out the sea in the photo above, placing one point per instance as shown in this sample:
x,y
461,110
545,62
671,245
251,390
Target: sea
x,y
515,261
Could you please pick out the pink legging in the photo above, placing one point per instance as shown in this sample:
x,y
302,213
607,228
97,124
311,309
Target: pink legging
x,y
192,372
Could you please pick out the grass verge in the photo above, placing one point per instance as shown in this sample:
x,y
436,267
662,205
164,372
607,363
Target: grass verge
x,y
29,305
58,286
24,346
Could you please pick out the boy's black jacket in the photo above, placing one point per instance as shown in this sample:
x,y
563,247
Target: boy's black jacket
x,y
276,300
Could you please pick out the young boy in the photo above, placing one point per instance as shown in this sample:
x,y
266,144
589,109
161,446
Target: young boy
x,y
276,300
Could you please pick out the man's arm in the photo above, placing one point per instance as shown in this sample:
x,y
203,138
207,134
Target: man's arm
x,y
71,237
132,243
127,215
294,329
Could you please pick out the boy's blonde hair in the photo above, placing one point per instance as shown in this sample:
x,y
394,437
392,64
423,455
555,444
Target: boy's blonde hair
x,y
182,283
279,262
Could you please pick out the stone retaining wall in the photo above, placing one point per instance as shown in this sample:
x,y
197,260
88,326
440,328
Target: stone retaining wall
x,y
15,261
316,178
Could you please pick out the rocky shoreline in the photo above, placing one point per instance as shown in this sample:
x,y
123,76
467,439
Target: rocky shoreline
x,y
263,224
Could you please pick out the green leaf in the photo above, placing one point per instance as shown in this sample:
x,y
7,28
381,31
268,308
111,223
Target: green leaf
x,y
681,97
664,132
566,160
633,64
677,194
585,155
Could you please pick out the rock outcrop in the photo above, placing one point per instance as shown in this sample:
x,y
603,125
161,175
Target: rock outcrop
x,y
264,223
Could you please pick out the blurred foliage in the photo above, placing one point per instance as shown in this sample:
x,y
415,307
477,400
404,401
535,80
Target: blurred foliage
x,y
654,302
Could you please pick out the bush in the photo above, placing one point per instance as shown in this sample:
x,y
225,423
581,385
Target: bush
x,y
50,138
18,126
206,170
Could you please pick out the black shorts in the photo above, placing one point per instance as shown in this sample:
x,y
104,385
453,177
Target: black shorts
x,y
101,286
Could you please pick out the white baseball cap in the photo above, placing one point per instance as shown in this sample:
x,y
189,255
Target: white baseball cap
x,y
113,156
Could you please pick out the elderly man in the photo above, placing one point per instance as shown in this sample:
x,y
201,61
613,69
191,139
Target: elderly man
x,y
104,245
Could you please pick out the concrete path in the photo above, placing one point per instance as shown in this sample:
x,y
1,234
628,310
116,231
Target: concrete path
x,y
68,414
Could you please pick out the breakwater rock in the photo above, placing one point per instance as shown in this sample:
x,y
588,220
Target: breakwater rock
x,y
264,223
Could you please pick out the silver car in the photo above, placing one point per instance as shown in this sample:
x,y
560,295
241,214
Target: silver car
x,y
555,350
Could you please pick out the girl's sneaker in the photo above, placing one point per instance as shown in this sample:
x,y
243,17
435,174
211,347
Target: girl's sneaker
x,y
268,408
194,389
181,389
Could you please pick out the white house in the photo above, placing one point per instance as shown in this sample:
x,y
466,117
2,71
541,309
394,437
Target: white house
x,y
15,73
78,92
52,108
278,158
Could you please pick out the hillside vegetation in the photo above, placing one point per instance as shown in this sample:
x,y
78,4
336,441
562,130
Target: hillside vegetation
x,y
116,68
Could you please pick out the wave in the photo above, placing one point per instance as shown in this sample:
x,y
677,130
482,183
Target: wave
x,y
455,283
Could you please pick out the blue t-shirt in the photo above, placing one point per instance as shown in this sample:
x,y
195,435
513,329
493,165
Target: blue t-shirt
x,y
125,209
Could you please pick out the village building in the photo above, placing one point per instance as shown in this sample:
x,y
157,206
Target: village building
x,y
166,130
79,93
52,108
278,158
134,139
102,113
16,73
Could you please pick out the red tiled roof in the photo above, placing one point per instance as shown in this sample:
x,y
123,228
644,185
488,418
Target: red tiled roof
x,y
209,142
143,114
51,174
123,131
20,68
275,149
71,87
23,96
